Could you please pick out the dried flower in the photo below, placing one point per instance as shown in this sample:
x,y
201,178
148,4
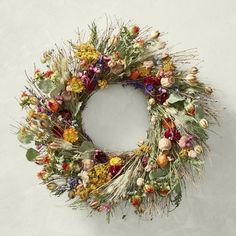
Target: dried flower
x,y
172,134
148,188
88,164
140,182
135,200
76,85
185,141
192,154
164,144
167,82
102,83
148,64
86,52
70,135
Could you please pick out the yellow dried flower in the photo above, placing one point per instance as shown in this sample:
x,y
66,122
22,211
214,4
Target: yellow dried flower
x,y
86,52
115,161
144,148
183,152
70,135
102,83
143,71
76,85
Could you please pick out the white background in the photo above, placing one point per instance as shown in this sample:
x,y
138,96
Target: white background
x,y
29,27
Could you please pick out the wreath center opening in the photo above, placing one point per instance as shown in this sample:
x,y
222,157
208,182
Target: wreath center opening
x,y
116,118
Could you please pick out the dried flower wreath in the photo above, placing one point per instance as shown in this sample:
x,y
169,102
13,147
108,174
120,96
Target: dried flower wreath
x,y
152,176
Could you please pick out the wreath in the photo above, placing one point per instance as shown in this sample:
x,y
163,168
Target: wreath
x,y
153,176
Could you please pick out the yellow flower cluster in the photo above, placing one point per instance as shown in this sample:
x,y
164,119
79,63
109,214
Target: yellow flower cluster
x,y
76,85
70,135
143,149
86,52
143,71
98,176
102,84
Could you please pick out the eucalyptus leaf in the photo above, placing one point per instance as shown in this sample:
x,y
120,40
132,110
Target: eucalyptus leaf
x,y
158,173
173,98
31,154
46,86
86,146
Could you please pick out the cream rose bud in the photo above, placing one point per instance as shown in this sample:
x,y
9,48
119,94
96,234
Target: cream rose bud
x,y
198,149
148,64
148,168
88,164
140,181
192,154
164,144
155,34
167,82
203,123
151,101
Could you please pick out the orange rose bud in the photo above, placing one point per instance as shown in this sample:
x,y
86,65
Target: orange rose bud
x,y
149,188
134,74
167,123
135,30
53,105
135,200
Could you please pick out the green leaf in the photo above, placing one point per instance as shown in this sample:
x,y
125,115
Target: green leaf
x,y
25,138
31,154
158,173
77,109
86,146
199,113
46,86
173,98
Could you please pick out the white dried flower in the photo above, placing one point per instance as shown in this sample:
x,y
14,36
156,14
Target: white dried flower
x,y
164,144
151,101
140,182
192,154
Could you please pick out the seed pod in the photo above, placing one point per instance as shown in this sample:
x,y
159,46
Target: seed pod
x,y
39,160
198,149
162,160
52,186
203,123
71,194
194,70
94,204
155,34
208,90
